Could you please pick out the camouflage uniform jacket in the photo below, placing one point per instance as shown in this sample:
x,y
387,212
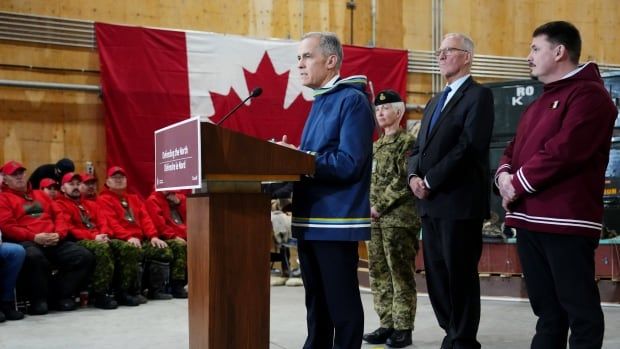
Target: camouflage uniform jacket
x,y
389,192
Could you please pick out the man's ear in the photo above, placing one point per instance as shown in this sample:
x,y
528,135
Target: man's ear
x,y
560,51
331,61
468,59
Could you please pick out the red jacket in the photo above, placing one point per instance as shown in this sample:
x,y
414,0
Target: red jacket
x,y
21,218
159,210
113,213
91,199
559,155
68,211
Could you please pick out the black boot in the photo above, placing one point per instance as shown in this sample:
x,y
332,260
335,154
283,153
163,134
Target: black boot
x,y
38,307
139,293
64,304
10,311
378,336
2,317
158,278
105,301
178,289
124,298
399,339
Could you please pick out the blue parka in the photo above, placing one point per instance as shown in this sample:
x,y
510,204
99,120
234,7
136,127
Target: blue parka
x,y
334,203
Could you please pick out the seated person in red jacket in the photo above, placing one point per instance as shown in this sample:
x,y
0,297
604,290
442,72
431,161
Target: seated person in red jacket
x,y
88,187
49,187
127,220
85,225
26,217
167,210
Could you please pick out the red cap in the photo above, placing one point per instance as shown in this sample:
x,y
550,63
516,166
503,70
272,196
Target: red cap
x,y
10,167
116,169
68,177
47,182
87,177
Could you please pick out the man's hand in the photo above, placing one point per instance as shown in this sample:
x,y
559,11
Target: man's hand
x,y
46,239
284,142
54,238
102,238
505,204
180,240
41,239
506,189
374,214
157,242
135,242
419,188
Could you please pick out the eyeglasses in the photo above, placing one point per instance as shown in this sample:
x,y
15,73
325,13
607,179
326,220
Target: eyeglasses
x,y
449,51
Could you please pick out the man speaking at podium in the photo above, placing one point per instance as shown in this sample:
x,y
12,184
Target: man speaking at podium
x,y
331,209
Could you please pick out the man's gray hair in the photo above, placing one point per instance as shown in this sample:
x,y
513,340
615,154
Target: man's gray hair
x,y
329,44
468,43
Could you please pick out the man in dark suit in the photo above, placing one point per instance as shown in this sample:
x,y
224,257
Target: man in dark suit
x,y
449,175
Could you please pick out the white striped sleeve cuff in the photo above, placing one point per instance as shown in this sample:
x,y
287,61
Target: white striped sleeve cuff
x,y
524,183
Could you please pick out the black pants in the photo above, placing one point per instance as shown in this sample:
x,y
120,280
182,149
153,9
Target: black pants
x,y
335,315
452,249
73,261
559,274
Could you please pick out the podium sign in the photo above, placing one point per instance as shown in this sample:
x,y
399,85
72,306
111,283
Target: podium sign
x,y
177,156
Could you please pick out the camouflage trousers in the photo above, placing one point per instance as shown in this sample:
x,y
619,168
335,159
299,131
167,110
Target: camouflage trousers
x,y
178,266
116,256
127,259
175,254
103,271
156,253
391,253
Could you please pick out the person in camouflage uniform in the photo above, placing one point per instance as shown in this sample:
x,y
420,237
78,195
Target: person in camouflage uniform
x,y
85,225
395,226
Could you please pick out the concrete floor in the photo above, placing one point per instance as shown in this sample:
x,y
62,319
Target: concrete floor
x,y
163,324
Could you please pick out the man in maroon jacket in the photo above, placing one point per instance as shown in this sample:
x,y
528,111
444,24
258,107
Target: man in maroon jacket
x,y
167,210
26,217
551,179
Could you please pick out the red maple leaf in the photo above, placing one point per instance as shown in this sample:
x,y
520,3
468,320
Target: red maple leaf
x,y
265,117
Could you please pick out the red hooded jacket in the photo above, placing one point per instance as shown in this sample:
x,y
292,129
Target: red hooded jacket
x,y
26,214
159,210
114,214
69,211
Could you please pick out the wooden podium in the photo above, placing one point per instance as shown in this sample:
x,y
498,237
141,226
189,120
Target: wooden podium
x,y
229,238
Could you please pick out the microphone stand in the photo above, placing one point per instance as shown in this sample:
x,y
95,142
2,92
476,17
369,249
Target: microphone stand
x,y
235,109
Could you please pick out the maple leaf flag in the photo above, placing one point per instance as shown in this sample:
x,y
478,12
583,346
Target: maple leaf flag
x,y
152,78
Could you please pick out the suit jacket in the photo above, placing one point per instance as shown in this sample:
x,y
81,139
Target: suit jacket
x,y
454,156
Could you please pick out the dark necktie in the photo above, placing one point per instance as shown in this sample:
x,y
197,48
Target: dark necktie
x,y
438,107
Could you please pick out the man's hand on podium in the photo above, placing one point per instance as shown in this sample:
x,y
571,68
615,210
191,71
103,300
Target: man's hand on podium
x,y
284,142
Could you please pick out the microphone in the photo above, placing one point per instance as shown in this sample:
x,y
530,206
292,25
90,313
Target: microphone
x,y
255,93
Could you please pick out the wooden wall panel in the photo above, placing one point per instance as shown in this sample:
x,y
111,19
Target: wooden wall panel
x,y
42,126
417,24
390,29
504,28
